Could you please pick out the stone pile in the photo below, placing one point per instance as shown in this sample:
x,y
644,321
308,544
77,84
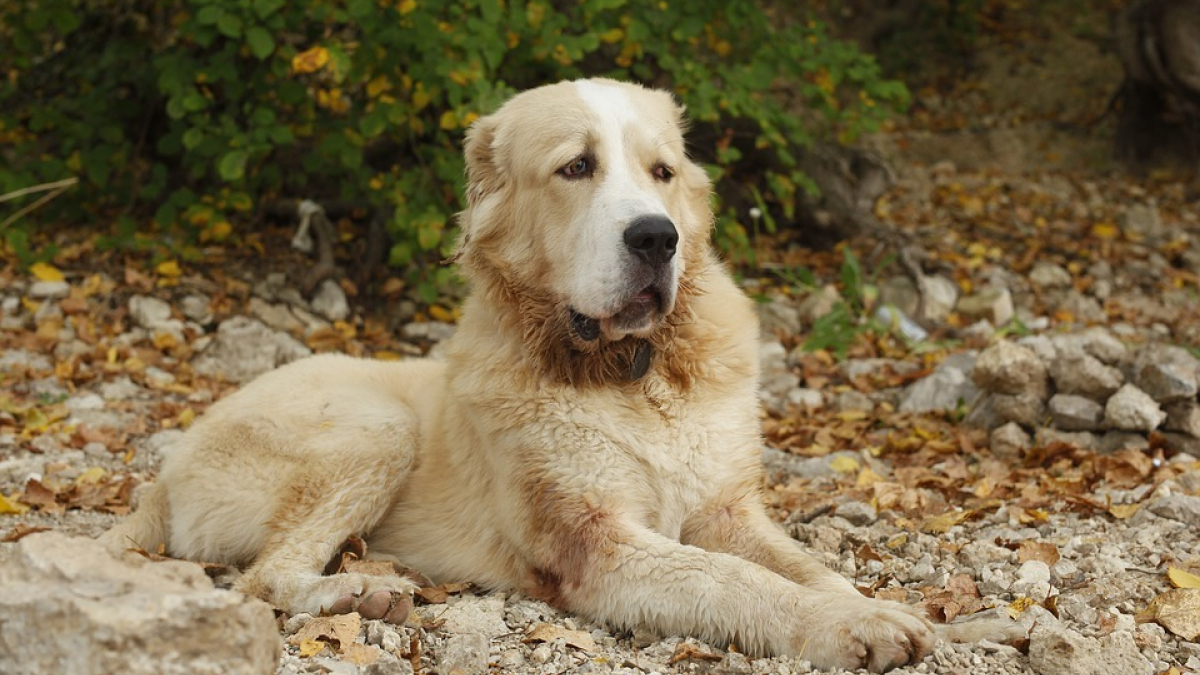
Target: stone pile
x,y
1087,389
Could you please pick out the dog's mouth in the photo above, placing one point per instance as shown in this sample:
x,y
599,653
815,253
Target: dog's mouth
x,y
637,315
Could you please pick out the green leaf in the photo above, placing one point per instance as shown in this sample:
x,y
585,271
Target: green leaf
x,y
233,165
193,137
230,25
260,41
209,15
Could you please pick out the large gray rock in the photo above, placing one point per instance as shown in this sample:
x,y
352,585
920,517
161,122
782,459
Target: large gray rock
x,y
1008,440
944,388
776,378
1184,417
1009,368
1096,341
68,606
1131,409
1165,372
330,301
1085,375
471,624
1076,413
993,304
1184,508
245,348
994,410
778,316
1057,650
1049,275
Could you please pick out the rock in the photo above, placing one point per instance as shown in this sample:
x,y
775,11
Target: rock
x,y
945,388
776,379
1079,439
1076,413
1041,345
1183,508
854,369
464,654
993,304
195,308
778,316
330,301
433,331
68,606
1008,440
1085,376
853,400
148,312
1121,440
1008,368
1183,416
806,399
1033,580
1024,409
1081,308
1130,409
1142,220
1055,649
472,623
899,292
1165,372
276,316
1096,341
817,304
857,513
1049,275
940,296
245,348
48,290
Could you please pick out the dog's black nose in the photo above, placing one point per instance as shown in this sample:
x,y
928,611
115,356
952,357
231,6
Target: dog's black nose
x,y
652,238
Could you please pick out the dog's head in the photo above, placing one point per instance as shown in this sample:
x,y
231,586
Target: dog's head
x,y
581,193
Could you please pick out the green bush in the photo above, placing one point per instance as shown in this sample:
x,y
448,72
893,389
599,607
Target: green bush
x,y
180,117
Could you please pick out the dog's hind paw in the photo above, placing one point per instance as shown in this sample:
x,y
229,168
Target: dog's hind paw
x,y
390,606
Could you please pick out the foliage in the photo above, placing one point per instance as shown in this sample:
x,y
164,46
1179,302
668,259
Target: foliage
x,y
182,117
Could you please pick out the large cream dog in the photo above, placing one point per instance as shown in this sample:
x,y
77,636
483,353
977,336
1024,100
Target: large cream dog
x,y
591,438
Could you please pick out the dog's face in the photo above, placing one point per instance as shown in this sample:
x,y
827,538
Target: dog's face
x,y
582,192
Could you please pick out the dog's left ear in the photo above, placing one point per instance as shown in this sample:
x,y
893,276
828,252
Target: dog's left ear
x,y
483,176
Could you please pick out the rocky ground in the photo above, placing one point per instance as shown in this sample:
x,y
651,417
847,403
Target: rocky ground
x,y
1047,470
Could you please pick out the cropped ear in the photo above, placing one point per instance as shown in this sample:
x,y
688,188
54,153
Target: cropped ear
x,y
483,175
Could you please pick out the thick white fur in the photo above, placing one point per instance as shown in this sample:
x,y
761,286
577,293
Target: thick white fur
x,y
530,459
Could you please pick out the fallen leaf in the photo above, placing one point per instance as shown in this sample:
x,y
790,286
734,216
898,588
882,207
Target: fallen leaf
x,y
377,568
1177,610
942,524
360,654
1037,550
309,648
1182,578
844,464
339,631
1123,511
10,505
21,531
436,595
39,495
168,268
1017,607
545,632
688,651
45,272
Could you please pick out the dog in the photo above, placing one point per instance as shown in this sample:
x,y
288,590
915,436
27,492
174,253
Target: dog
x,y
590,438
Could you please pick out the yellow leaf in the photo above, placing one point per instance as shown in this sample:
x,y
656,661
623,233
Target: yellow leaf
x,y
1017,607
1177,610
1106,231
942,524
312,60
407,6
852,415
867,477
385,355
186,418
10,505
92,475
449,121
168,268
439,313
1123,511
1183,579
310,647
844,464
44,272
612,35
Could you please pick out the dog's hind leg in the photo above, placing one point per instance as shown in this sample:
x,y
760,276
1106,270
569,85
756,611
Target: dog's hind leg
x,y
346,489
146,528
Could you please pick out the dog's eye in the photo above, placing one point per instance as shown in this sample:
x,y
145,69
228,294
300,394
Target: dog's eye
x,y
579,167
663,172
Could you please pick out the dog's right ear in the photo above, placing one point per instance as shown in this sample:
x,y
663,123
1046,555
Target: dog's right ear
x,y
483,175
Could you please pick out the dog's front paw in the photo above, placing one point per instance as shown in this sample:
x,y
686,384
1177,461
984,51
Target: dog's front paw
x,y
853,633
374,597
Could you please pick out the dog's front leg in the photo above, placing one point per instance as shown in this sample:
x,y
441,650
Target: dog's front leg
x,y
597,562
735,522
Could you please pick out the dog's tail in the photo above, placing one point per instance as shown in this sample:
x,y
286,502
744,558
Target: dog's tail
x,y
146,528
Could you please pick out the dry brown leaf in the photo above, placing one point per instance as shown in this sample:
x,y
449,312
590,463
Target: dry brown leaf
x,y
959,597
376,568
1037,550
21,531
39,495
942,524
435,595
688,651
360,654
1177,610
340,631
545,632
1123,511
1182,578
